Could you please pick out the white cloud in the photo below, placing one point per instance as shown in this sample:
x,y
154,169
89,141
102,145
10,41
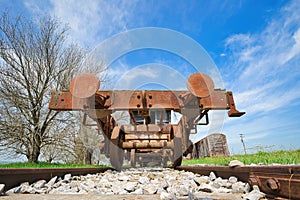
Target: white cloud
x,y
257,136
295,50
265,98
265,67
265,64
239,39
90,21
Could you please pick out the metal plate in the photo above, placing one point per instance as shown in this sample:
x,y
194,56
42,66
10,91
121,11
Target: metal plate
x,y
84,85
200,84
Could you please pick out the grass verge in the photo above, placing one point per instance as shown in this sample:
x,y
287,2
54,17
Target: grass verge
x,y
48,165
265,158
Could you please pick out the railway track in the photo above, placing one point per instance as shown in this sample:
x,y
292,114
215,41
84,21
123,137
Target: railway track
x,y
275,181
12,177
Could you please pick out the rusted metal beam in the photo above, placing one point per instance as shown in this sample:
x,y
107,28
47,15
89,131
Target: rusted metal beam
x,y
144,145
233,112
145,136
146,128
133,100
64,101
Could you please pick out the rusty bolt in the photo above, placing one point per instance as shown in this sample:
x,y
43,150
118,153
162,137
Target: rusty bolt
x,y
273,184
253,180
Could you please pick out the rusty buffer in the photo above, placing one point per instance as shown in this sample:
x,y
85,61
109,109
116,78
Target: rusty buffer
x,y
148,135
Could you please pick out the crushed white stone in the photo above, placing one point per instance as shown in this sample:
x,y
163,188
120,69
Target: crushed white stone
x,y
168,183
235,163
2,186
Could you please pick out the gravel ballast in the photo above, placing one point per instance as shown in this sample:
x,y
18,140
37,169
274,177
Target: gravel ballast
x,y
167,183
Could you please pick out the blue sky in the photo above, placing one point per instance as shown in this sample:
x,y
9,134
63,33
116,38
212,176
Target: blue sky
x,y
254,46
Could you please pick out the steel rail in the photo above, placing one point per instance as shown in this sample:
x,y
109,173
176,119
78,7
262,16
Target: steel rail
x,y
13,177
281,181
275,181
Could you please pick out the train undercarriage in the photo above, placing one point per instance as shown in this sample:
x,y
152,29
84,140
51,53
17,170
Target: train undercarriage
x,y
147,133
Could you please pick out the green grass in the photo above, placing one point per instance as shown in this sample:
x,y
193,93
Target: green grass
x,y
265,158
47,165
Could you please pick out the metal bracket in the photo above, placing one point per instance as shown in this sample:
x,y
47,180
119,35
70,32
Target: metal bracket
x,y
84,121
233,112
285,185
203,113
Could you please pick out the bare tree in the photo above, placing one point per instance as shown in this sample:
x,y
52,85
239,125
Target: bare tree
x,y
58,145
88,142
34,60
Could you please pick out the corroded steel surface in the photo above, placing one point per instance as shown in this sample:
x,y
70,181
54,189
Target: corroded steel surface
x,y
64,101
279,181
143,145
218,99
139,100
84,85
200,84
233,112
152,108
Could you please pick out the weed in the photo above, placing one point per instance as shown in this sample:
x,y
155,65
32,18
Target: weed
x,y
266,158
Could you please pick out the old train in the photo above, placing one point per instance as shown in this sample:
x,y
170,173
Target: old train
x,y
211,146
149,133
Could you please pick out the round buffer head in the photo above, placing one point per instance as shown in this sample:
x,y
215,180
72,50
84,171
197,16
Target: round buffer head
x,y
84,85
200,84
